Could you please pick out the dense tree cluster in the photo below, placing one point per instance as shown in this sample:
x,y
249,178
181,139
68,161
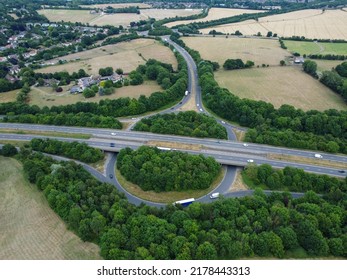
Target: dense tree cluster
x,y
232,64
154,169
310,67
74,150
266,226
184,123
297,180
8,150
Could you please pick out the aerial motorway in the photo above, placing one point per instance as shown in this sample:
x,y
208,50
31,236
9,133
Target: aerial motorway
x,y
226,152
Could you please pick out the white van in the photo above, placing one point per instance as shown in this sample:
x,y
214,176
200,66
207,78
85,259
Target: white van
x,y
214,195
318,156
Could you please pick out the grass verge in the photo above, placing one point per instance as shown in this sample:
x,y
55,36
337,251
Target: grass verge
x,y
56,134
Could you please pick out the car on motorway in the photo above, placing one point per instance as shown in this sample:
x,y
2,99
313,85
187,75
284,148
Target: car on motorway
x,y
250,160
245,144
111,176
181,102
318,156
172,108
223,122
111,144
342,171
197,104
113,133
200,110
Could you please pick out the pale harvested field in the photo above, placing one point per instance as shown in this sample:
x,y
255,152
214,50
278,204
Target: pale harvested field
x,y
169,13
220,49
29,229
280,85
82,16
117,6
123,55
100,19
45,96
312,24
8,96
216,13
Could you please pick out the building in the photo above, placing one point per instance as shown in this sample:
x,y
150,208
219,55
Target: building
x,y
299,60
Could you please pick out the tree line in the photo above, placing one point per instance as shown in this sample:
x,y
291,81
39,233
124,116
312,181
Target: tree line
x,y
163,171
184,123
313,126
232,64
265,226
297,180
73,150
66,119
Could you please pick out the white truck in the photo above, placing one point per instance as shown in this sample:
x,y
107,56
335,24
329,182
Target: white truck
x,y
318,156
186,93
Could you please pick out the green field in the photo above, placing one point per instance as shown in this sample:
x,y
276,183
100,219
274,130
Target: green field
x,y
316,47
29,229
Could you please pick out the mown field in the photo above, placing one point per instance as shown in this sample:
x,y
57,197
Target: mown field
x,y
45,96
125,55
316,47
220,48
84,16
29,229
314,24
216,13
280,85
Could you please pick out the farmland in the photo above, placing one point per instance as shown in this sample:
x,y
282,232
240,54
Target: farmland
x,y
323,65
29,229
258,50
125,55
307,48
117,6
280,85
215,13
314,24
84,16
45,96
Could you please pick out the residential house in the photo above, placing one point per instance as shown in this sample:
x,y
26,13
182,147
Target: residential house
x,y
10,78
76,89
3,59
83,83
299,60
114,78
14,70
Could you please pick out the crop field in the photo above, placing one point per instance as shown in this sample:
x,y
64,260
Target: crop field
x,y
280,85
323,65
216,13
316,47
84,16
29,229
45,96
125,55
314,24
219,49
117,6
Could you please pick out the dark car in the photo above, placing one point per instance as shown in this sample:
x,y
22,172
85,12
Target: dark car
x,y
342,171
111,176
111,144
